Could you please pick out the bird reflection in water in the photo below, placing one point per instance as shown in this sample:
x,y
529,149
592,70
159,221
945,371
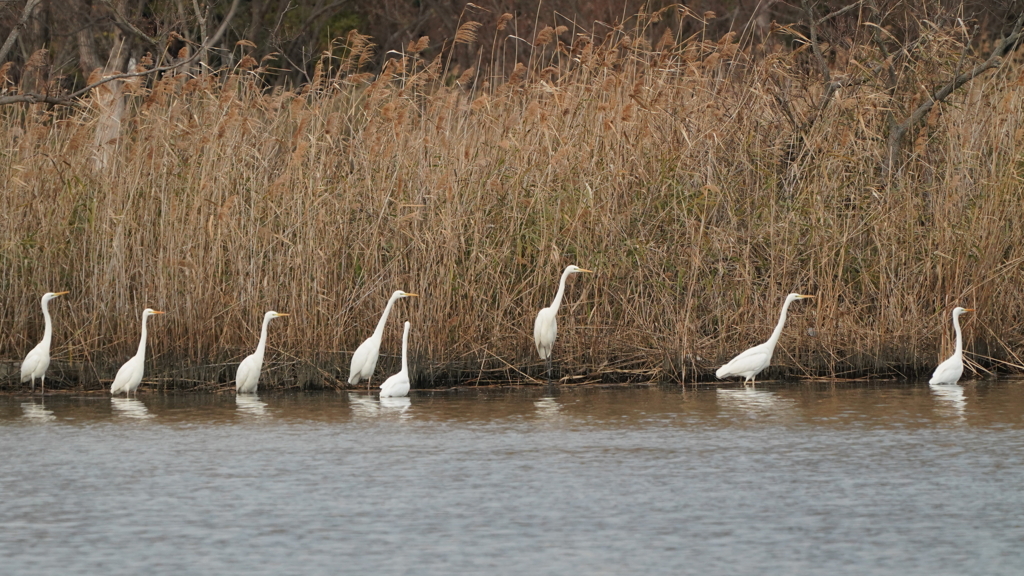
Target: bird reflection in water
x,y
363,405
370,407
250,405
951,398
400,405
547,407
37,412
130,408
752,401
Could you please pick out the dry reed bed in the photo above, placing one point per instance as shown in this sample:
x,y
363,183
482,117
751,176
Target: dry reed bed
x,y
663,168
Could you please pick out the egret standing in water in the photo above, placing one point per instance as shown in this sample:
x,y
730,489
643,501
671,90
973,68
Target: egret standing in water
x,y
398,385
129,376
38,359
749,363
545,327
248,376
949,372
364,361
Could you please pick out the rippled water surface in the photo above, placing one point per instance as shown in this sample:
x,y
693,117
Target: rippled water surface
x,y
782,479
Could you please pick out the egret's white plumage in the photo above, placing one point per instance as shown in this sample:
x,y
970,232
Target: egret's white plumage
x,y
398,385
749,363
247,378
38,359
949,372
364,360
129,376
545,327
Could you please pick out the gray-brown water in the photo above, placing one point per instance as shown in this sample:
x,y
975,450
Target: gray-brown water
x,y
783,479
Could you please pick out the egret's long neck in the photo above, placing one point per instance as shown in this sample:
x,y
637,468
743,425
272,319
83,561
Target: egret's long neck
x,y
48,331
959,336
379,331
561,290
262,346
778,327
142,341
405,350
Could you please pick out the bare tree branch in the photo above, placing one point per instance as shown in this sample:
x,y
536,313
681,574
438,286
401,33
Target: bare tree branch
x,y
798,144
128,28
839,12
318,10
256,13
993,61
85,38
69,100
814,43
30,7
202,31
33,99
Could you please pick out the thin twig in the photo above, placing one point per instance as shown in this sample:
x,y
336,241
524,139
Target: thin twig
x,y
69,100
994,60
127,27
30,7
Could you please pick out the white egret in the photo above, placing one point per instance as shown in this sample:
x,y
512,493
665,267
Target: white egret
x,y
949,372
398,385
364,361
752,361
129,376
545,327
248,376
38,360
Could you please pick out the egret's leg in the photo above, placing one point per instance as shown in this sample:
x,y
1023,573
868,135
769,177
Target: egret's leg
x,y
42,388
547,362
33,378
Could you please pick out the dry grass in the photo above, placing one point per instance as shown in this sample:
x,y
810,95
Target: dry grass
x,y
667,165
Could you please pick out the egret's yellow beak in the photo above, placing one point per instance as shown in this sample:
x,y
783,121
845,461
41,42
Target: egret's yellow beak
x,y
282,314
588,271
158,312
60,293
411,294
968,309
806,296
